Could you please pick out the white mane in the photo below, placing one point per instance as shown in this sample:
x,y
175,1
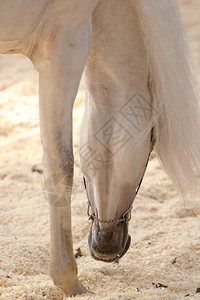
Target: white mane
x,y
174,90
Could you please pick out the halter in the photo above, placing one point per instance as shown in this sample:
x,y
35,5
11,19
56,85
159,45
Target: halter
x,y
126,217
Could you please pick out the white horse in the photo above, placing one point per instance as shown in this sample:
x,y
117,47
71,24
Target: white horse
x,y
138,77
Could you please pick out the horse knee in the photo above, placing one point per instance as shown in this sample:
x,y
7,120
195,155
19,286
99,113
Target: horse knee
x,y
58,159
58,178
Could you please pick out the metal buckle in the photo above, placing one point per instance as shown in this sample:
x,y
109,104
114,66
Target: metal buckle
x,y
90,215
127,215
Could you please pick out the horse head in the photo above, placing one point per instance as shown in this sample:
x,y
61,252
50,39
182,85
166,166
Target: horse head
x,y
111,192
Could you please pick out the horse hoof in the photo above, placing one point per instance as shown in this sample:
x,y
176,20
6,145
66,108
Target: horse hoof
x,y
78,289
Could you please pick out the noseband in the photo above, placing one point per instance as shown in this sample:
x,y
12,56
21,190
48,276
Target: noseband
x,y
126,217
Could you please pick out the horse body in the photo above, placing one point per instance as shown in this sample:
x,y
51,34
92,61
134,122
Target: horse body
x,y
131,88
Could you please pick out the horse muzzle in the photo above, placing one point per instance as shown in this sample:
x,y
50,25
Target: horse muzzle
x,y
108,244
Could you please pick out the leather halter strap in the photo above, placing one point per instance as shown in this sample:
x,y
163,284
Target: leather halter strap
x,y
126,217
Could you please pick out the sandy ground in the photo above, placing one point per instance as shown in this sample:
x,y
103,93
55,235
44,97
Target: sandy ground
x,y
165,231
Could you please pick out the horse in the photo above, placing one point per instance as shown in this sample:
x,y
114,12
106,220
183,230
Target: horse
x,y
141,93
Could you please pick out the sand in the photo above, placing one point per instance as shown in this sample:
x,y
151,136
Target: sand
x,y
164,257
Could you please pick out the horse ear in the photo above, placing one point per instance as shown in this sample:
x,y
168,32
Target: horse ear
x,y
174,91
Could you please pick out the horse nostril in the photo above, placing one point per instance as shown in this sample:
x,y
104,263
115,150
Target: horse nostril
x,y
105,238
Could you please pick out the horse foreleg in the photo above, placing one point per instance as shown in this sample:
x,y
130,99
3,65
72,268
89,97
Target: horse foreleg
x,y
60,67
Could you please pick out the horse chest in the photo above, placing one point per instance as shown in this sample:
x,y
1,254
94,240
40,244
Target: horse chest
x,y
22,20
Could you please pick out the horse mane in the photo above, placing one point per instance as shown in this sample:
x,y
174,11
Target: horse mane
x,y
174,88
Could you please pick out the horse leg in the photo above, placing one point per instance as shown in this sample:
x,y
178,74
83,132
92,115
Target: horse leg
x,y
60,67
